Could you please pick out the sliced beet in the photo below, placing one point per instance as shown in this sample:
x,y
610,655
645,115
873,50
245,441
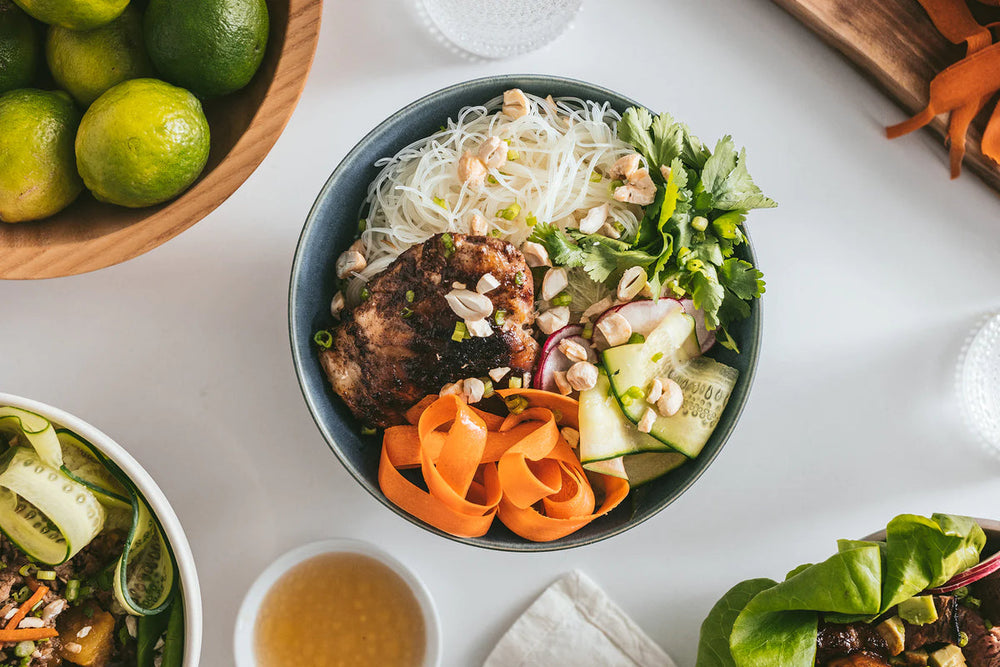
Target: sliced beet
x,y
552,360
643,316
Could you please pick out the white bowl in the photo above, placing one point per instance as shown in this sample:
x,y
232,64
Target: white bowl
x,y
246,620
190,591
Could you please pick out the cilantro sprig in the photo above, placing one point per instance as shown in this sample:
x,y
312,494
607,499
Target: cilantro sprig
x,y
688,237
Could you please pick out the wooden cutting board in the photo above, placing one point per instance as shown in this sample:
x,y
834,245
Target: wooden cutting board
x,y
895,45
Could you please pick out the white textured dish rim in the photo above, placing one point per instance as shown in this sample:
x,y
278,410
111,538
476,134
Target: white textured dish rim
x,y
246,619
191,591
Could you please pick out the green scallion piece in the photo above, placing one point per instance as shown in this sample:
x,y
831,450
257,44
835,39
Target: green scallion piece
x,y
500,317
656,357
694,265
488,391
72,590
367,430
362,225
25,569
636,338
511,212
531,220
615,184
449,244
365,294
24,649
700,223
635,392
406,314
322,338
588,330
496,233
492,179
515,383
512,155
21,595
517,405
596,178
410,296
963,640
562,299
626,400
461,331
519,278
46,575
440,202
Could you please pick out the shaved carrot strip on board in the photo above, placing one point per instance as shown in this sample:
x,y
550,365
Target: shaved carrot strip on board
x,y
990,143
954,20
518,468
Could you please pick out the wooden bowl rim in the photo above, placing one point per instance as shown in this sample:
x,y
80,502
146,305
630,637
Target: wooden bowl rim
x,y
24,262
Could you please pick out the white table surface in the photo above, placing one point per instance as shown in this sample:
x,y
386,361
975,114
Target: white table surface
x,y
877,268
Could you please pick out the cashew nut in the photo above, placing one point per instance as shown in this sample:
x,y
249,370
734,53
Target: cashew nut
x,y
479,328
553,319
645,424
624,167
596,309
615,328
515,104
640,189
582,376
487,283
535,254
471,170
573,350
671,400
571,436
632,282
555,281
496,374
610,231
469,305
453,389
595,219
561,383
478,225
474,388
493,153
337,305
350,261
655,391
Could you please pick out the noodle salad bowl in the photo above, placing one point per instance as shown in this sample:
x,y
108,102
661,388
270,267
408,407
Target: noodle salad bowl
x,y
359,185
162,604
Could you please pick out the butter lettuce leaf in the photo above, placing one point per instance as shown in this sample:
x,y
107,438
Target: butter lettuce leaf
x,y
713,643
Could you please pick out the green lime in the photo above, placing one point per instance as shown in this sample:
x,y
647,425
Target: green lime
x,y
37,172
74,14
88,62
19,48
141,143
211,47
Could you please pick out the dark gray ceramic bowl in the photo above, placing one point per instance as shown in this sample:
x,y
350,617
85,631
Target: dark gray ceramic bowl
x,y
331,228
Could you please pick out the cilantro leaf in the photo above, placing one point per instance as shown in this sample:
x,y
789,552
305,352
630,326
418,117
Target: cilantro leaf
x,y
728,180
634,129
707,294
739,276
605,258
561,248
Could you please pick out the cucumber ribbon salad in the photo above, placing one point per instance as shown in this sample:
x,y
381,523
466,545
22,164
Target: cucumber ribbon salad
x,y
58,493
895,587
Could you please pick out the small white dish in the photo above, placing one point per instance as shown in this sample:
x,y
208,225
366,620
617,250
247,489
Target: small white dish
x,y
246,620
190,590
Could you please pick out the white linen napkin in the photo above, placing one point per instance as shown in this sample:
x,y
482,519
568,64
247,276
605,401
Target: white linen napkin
x,y
575,623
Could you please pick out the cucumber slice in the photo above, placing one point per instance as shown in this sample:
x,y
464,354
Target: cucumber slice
x,y
36,429
611,445
48,516
144,575
81,465
672,350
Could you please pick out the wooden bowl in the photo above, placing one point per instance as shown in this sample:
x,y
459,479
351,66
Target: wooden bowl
x,y
89,235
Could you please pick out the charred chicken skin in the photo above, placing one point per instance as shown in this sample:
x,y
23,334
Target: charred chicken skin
x,y
391,351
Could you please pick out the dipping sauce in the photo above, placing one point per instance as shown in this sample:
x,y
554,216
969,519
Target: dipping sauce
x,y
340,609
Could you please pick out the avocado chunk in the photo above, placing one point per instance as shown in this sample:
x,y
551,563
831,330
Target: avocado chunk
x,y
949,656
919,610
894,634
916,659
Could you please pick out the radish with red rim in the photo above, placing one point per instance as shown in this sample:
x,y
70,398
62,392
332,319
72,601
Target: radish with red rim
x,y
553,361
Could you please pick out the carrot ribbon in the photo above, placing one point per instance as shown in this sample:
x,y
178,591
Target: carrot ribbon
x,y
12,633
477,466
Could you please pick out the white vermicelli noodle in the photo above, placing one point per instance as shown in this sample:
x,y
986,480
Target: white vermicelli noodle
x,y
563,156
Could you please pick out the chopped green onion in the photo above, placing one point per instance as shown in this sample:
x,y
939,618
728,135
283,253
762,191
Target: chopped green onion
x,y
961,592
626,400
322,338
596,178
46,575
656,357
512,155
440,202
25,569
367,430
531,220
24,649
975,603
615,184
515,383
511,212
517,405
694,265
488,384
635,392
588,330
700,223
21,595
496,233
683,253
636,338
362,225
460,333
519,278
72,590
365,294
963,640
449,244
410,296
406,314
500,317
492,179
562,299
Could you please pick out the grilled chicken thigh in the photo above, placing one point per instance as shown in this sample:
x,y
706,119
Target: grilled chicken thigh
x,y
389,352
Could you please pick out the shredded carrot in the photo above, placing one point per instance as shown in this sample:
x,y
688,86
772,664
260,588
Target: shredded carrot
x,y
12,633
990,142
954,20
518,468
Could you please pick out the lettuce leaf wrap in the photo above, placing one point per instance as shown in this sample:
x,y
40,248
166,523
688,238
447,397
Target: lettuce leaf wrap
x,y
760,623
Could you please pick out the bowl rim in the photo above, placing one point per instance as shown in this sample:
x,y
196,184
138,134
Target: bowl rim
x,y
21,261
705,459
190,589
246,618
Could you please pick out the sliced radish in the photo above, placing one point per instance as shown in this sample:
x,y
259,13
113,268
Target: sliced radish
x,y
552,360
705,337
643,316
970,576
